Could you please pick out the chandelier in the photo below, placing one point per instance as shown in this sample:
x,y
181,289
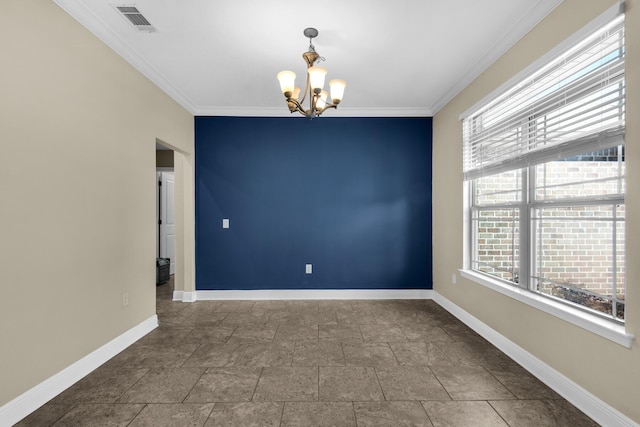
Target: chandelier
x,y
319,100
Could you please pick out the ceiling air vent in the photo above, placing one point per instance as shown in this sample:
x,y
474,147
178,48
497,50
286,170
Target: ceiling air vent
x,y
136,18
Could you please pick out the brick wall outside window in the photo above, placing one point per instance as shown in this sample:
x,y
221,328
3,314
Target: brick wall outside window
x,y
573,245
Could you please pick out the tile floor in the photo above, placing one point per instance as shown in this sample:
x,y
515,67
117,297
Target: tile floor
x,y
308,363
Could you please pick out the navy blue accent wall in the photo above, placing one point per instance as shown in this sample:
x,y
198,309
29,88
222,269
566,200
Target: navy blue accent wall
x,y
352,196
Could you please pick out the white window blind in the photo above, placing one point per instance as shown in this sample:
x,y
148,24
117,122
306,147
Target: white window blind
x,y
576,104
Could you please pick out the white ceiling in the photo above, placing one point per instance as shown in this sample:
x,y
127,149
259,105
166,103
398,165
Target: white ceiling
x,y
399,58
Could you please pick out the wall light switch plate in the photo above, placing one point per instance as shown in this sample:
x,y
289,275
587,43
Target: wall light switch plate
x,y
225,223
454,278
308,268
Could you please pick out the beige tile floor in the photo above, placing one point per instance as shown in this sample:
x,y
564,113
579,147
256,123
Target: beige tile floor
x,y
308,363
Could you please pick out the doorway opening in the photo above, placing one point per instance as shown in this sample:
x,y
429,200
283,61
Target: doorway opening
x,y
165,217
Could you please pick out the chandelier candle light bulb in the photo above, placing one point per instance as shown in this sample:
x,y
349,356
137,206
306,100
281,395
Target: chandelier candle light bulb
x,y
319,100
296,93
316,78
287,82
337,90
322,102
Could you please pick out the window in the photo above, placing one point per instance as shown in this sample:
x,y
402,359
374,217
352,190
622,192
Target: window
x,y
544,166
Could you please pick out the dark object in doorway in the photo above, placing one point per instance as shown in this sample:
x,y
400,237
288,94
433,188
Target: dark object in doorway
x,y
162,270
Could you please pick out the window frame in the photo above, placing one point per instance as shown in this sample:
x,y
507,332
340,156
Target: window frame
x,y
526,205
604,326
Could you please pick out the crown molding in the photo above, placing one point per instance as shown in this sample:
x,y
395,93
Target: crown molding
x,y
598,22
100,29
532,18
81,13
340,112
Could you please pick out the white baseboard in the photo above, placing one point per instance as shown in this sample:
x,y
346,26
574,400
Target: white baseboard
x,y
184,296
578,396
29,401
303,294
591,405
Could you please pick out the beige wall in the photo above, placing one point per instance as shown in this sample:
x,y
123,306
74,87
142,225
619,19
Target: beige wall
x,y
78,235
607,370
78,132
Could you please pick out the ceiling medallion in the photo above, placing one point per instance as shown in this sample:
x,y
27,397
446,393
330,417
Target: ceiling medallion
x,y
318,98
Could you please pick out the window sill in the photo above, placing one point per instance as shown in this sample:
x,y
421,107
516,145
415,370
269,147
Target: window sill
x,y
601,327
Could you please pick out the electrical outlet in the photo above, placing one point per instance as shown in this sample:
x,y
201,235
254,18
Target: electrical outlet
x,y
454,278
308,268
125,299
225,223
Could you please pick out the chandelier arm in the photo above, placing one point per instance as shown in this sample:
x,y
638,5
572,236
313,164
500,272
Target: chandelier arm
x,y
327,105
294,106
311,57
313,105
317,111
306,88
313,101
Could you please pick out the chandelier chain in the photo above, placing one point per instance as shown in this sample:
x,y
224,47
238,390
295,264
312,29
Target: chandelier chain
x,y
312,48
